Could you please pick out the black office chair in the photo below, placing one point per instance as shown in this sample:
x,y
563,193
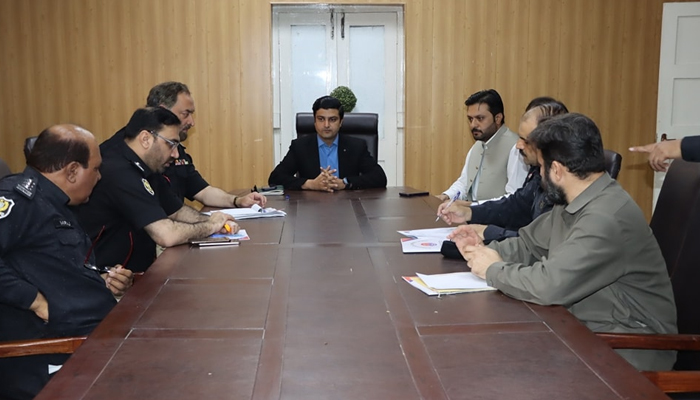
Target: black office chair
x,y
613,162
4,169
363,126
674,223
28,145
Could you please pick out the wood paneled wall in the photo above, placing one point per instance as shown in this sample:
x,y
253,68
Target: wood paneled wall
x,y
92,62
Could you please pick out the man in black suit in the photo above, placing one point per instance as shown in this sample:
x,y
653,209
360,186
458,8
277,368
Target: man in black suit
x,y
328,162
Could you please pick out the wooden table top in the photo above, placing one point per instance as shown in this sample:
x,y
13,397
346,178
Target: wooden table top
x,y
313,307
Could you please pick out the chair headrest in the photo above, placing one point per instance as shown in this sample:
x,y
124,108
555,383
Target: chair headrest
x,y
355,123
613,163
363,126
28,145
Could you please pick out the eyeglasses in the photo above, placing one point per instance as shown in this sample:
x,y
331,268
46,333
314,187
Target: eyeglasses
x,y
87,264
104,269
173,143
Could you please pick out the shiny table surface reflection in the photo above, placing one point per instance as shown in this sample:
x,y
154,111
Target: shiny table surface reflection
x,y
313,307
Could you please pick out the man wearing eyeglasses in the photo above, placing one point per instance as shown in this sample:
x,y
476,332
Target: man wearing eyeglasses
x,y
184,179
46,291
132,208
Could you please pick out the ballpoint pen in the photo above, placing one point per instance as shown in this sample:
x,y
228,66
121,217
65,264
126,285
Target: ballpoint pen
x,y
455,197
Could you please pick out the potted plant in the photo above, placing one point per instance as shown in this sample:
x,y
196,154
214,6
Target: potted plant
x,y
346,96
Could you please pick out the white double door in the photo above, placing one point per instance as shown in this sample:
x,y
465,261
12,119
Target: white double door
x,y
678,110
318,48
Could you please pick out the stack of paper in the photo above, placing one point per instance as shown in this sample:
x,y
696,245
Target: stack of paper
x,y
452,283
424,240
253,212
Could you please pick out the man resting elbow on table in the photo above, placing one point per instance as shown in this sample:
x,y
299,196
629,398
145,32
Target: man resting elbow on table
x,y
132,208
184,179
593,253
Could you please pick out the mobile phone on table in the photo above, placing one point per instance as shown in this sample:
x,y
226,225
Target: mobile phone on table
x,y
415,193
217,241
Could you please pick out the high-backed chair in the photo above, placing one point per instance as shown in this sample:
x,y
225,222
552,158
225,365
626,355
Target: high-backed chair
x,y
4,169
675,225
363,126
28,145
613,162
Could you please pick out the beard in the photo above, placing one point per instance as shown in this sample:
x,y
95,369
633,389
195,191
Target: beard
x,y
484,134
183,133
553,192
156,162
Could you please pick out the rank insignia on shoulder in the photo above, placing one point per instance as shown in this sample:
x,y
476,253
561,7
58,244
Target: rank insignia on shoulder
x,y
148,187
138,165
5,206
181,161
27,187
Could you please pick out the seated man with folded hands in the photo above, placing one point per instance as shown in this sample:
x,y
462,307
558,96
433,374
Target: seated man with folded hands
x,y
326,161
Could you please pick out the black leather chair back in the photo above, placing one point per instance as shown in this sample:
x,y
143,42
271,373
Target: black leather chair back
x,y
4,169
676,226
28,145
613,162
363,126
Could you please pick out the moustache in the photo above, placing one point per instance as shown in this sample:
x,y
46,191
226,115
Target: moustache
x,y
477,130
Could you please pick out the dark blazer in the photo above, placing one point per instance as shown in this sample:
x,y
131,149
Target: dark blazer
x,y
690,148
505,216
354,163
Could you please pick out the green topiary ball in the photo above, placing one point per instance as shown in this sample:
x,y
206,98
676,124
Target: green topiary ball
x,y
346,96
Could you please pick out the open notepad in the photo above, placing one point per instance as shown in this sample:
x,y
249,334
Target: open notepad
x,y
255,211
451,283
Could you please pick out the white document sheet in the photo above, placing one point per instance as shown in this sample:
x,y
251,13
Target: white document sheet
x,y
421,245
253,212
436,233
454,280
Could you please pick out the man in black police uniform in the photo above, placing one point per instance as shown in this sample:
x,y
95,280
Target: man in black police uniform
x,y
46,291
184,178
132,207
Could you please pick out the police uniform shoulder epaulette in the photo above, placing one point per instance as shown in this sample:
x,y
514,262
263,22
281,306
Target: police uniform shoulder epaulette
x,y
138,165
27,187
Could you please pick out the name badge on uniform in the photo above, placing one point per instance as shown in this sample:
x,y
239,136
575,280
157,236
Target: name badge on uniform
x,y
5,206
62,224
147,186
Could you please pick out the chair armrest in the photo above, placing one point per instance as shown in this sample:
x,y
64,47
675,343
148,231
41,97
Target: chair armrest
x,y
651,342
675,381
19,348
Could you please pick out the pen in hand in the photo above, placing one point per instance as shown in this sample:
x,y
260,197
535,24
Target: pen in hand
x,y
452,200
227,227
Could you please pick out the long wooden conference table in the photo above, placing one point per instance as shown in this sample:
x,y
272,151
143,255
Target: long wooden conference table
x,y
314,307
